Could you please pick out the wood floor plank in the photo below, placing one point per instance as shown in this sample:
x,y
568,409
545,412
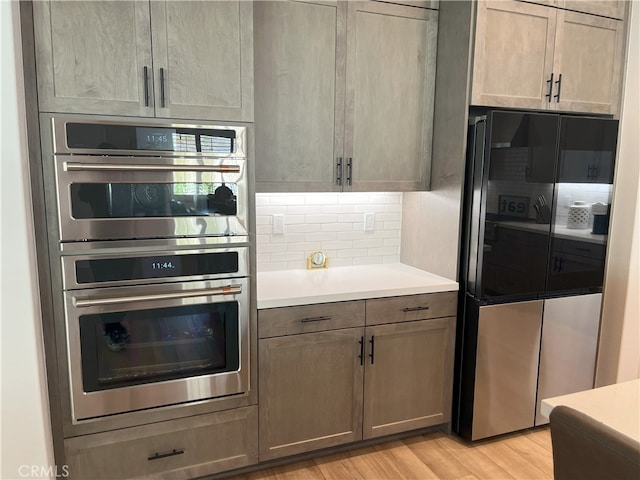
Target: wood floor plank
x,y
473,458
441,461
372,464
523,455
405,461
505,455
338,467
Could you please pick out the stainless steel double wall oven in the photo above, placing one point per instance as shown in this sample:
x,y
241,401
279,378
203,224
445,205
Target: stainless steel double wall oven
x,y
152,223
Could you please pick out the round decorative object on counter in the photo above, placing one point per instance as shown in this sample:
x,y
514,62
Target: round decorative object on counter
x,y
579,215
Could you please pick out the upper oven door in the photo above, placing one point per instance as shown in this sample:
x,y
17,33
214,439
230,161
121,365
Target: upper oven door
x,y
114,198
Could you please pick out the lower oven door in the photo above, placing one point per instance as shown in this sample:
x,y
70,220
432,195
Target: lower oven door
x,y
134,348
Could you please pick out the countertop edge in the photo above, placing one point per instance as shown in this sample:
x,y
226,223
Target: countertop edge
x,y
418,282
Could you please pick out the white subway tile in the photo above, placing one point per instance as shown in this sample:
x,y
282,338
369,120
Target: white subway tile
x,y
321,198
353,252
339,209
357,233
369,243
263,229
262,199
287,199
322,236
391,259
382,251
336,245
305,228
369,208
388,217
303,209
351,218
337,227
287,238
340,262
287,256
301,247
370,260
321,218
391,225
271,210
272,266
271,248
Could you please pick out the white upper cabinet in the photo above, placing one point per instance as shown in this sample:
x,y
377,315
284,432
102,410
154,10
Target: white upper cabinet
x,y
344,95
160,58
535,56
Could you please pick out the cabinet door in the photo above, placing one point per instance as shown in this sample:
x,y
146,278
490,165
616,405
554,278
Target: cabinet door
x,y
299,69
91,57
391,54
203,59
513,57
408,380
604,8
310,392
568,348
589,55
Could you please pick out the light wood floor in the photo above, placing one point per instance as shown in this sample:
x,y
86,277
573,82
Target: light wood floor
x,y
525,455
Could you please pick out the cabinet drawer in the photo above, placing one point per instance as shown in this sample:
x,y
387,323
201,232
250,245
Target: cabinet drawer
x,y
411,307
276,322
177,449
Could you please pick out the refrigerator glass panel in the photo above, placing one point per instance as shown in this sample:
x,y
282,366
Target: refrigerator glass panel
x,y
519,194
582,204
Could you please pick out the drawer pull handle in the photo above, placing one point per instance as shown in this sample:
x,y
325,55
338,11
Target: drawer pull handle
x,y
172,453
361,356
315,319
414,309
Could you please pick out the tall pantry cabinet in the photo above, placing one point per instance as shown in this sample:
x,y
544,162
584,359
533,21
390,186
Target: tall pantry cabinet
x,y
167,59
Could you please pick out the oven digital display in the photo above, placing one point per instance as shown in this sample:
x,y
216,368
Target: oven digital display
x,y
161,266
155,138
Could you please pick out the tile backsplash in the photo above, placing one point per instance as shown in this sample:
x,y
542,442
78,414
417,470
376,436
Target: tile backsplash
x,y
331,222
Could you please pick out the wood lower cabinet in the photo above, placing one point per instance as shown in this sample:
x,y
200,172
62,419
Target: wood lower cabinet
x,y
177,449
349,379
528,55
169,59
409,376
344,95
310,392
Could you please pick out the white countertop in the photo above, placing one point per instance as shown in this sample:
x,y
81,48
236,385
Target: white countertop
x,y
617,406
559,231
285,288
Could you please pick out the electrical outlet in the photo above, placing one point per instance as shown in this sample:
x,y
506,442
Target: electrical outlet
x,y
369,221
278,224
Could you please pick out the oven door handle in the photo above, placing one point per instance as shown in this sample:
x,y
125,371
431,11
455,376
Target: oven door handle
x,y
115,167
93,302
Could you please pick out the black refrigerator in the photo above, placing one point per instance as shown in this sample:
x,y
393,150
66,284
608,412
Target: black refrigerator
x,y
535,221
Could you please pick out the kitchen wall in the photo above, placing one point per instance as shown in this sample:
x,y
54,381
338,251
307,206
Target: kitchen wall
x,y
619,348
27,449
331,222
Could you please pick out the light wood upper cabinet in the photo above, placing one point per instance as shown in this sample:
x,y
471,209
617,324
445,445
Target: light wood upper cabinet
x,y
606,8
160,58
513,57
344,95
589,55
540,57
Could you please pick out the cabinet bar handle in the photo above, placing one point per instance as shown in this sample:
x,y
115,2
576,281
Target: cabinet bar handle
x,y
339,171
372,342
349,170
146,86
550,91
172,453
414,309
315,319
162,104
361,356
559,83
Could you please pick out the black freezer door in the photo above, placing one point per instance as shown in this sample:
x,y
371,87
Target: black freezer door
x,y
508,201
